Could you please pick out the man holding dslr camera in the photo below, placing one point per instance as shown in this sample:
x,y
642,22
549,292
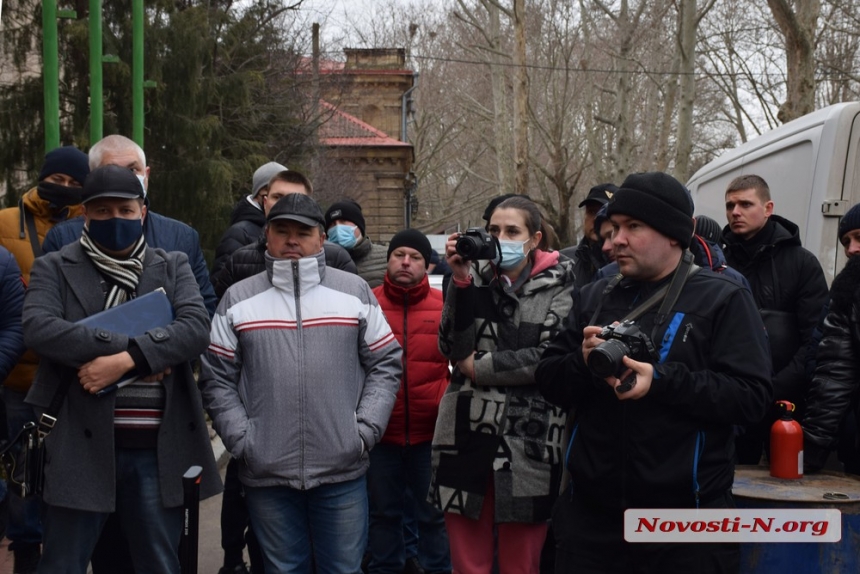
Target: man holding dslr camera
x,y
655,406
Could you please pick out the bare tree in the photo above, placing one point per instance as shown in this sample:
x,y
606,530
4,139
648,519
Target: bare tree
x,y
797,19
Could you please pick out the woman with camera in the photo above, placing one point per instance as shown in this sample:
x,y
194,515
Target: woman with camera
x,y
497,449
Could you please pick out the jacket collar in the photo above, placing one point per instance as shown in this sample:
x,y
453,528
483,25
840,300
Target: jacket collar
x,y
89,286
296,276
397,292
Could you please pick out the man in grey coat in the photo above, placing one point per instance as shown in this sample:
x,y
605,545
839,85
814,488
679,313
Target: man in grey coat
x,y
125,451
300,379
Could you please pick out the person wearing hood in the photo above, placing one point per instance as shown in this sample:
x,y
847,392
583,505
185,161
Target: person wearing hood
x,y
497,447
344,223
248,216
55,198
788,286
300,377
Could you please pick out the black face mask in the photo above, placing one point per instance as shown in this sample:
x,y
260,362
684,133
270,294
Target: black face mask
x,y
59,196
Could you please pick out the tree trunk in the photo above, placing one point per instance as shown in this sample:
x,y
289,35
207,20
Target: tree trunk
x,y
798,29
521,95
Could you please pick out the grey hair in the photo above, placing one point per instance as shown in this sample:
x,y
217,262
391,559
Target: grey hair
x,y
113,143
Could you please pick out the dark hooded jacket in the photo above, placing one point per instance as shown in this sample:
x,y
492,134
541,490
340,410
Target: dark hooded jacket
x,y
837,372
783,276
587,258
246,227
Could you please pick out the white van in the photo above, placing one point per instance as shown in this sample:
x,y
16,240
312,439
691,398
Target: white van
x,y
812,166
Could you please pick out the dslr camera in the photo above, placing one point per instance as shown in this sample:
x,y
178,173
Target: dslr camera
x,y
622,340
476,243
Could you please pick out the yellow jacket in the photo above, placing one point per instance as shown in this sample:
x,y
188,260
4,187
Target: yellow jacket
x,y
15,236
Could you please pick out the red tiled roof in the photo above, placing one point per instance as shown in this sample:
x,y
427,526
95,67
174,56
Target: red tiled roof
x,y
342,129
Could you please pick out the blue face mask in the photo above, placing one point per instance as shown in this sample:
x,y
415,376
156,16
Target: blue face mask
x,y
115,234
343,235
512,253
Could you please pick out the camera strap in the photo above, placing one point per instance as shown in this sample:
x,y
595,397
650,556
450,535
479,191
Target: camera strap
x,y
668,293
49,417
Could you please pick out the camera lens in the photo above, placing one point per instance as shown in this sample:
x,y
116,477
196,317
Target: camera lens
x,y
467,247
605,359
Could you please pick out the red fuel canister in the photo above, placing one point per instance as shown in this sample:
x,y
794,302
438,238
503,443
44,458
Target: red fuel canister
x,y
786,445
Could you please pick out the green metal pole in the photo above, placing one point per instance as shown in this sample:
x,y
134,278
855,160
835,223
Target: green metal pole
x,y
51,74
137,71
96,89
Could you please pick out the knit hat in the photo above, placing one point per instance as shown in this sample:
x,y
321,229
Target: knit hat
x,y
67,160
347,210
297,207
414,239
850,221
659,200
112,181
599,193
709,229
263,175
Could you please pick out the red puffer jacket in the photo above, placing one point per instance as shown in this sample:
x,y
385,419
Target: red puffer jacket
x,y
414,316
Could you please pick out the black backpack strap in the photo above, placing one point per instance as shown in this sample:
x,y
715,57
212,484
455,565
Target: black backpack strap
x,y
31,231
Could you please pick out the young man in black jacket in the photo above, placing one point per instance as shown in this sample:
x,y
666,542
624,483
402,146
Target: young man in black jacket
x,y
668,441
788,286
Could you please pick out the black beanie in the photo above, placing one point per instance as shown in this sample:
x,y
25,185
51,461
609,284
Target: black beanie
x,y
67,160
346,209
709,229
850,221
414,239
658,200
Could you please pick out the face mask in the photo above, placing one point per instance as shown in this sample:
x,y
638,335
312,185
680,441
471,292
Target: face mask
x,y
142,179
59,196
115,234
512,253
343,235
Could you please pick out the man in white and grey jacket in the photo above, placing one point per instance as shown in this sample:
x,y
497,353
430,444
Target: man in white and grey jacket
x,y
300,378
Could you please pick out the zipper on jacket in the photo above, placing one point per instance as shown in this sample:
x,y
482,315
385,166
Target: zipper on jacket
x,y
700,448
301,369
405,362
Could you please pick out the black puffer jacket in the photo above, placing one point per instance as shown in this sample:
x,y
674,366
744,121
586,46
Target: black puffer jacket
x,y
246,227
837,371
251,259
673,446
783,276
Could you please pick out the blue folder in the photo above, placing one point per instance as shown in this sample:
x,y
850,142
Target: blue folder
x,y
133,318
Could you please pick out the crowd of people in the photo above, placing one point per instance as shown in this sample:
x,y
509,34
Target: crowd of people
x,y
376,424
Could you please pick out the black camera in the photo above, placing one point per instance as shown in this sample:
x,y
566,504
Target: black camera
x,y
476,243
623,339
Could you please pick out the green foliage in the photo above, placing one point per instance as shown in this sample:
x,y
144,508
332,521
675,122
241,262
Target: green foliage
x,y
228,99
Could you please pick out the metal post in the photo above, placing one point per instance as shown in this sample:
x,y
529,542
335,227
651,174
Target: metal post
x,y
51,74
96,91
190,520
137,71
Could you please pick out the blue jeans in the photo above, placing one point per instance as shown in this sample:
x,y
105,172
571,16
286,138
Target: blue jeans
x,y
394,470
333,516
153,531
24,525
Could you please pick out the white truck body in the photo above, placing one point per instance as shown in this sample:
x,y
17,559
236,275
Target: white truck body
x,y
812,166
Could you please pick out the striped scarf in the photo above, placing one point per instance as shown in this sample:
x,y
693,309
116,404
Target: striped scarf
x,y
122,274
139,406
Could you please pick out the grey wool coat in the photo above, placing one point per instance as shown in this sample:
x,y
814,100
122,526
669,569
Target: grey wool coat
x,y
81,472
498,429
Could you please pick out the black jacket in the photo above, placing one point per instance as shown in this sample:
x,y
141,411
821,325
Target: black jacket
x,y
587,261
246,227
251,259
675,445
837,368
783,276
